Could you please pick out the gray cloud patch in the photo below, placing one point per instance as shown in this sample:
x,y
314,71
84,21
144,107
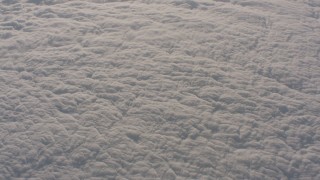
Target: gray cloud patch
x,y
150,89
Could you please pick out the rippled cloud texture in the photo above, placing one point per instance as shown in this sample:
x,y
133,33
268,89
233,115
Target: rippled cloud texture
x,y
159,89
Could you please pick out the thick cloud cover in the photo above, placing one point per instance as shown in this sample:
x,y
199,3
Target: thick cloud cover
x,y
159,89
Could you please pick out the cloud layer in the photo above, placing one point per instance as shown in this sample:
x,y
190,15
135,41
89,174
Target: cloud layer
x,y
159,89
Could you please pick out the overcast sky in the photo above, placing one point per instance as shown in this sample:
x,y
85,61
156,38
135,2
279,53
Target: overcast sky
x,y
159,89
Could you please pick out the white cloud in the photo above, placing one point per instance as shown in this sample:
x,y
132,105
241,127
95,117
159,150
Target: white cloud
x,y
159,89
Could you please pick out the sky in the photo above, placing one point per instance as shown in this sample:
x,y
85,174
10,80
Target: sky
x,y
159,89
